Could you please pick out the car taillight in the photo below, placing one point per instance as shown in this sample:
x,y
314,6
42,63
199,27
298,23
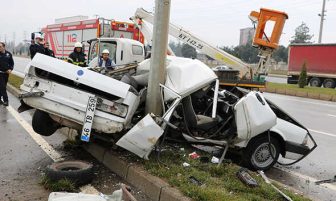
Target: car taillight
x,y
115,108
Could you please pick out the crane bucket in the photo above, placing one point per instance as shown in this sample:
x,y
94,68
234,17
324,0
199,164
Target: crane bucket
x,y
263,17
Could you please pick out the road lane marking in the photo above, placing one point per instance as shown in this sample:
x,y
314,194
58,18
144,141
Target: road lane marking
x,y
46,147
323,133
307,178
331,115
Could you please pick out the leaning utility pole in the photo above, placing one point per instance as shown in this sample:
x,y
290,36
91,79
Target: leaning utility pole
x,y
157,73
322,19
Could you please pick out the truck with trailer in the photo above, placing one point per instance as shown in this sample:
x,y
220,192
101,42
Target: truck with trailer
x,y
320,60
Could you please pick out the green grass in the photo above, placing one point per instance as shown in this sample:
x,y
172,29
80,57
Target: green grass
x,y
219,183
308,89
60,185
14,80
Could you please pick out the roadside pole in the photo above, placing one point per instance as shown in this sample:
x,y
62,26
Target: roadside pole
x,y
157,72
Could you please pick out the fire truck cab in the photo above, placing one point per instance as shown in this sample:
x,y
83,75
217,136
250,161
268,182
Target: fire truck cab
x,y
122,50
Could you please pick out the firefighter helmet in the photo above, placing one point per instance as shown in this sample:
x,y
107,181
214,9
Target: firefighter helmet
x,y
78,44
105,51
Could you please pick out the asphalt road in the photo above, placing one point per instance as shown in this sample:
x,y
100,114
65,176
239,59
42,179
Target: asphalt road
x,y
20,64
274,79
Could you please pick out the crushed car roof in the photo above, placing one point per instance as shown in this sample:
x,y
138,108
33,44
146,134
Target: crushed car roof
x,y
184,75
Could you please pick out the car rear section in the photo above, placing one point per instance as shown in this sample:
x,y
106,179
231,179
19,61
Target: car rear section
x,y
63,90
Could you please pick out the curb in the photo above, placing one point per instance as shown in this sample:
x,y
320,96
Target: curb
x,y
302,94
154,187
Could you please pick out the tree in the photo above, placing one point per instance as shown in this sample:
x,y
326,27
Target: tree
x,y
303,76
247,53
281,54
176,47
188,51
302,34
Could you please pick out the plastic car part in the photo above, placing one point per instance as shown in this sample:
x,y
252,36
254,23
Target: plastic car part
x,y
246,178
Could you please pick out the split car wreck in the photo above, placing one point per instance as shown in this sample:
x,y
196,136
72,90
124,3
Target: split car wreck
x,y
195,109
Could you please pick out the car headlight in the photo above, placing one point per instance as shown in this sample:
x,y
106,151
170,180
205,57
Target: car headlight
x,y
115,108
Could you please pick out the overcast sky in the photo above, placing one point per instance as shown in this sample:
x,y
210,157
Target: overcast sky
x,y
216,21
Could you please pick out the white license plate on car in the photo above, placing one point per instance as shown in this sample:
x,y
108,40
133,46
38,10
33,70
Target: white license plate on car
x,y
88,119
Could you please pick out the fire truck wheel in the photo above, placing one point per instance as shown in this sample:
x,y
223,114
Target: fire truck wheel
x,y
78,172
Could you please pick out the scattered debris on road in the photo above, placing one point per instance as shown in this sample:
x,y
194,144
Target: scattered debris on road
x,y
194,155
119,195
246,178
326,181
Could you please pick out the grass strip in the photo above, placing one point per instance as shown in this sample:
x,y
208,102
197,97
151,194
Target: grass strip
x,y
295,87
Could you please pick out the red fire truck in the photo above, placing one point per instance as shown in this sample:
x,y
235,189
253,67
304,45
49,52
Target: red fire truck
x,y
63,36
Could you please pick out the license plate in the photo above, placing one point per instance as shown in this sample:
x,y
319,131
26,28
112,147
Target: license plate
x,y
88,119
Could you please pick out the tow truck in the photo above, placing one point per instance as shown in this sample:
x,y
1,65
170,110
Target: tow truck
x,y
247,77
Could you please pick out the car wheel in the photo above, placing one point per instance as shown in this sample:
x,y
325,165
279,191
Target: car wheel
x,y
257,155
79,172
315,82
43,124
329,83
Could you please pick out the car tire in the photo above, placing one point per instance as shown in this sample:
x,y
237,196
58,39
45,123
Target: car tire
x,y
43,124
256,156
315,82
329,83
78,172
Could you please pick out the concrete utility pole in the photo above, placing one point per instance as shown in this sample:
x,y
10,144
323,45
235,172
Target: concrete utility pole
x,y
157,72
322,19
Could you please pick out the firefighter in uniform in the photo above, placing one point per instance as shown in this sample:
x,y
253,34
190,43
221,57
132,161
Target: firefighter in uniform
x,y
37,46
77,57
6,67
105,61
48,51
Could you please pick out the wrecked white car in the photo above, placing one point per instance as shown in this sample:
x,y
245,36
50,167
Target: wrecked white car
x,y
194,108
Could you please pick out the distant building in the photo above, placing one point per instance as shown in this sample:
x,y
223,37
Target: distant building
x,y
246,35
